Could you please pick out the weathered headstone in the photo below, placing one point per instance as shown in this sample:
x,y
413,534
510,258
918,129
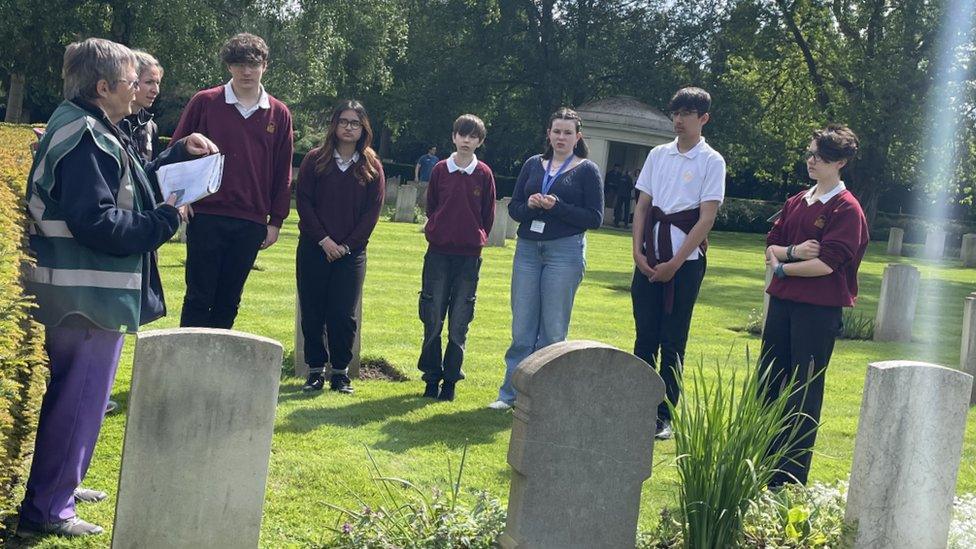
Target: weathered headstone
x,y
607,217
967,354
896,307
298,355
967,253
906,455
421,193
511,224
405,204
500,228
896,237
581,446
935,244
392,186
197,439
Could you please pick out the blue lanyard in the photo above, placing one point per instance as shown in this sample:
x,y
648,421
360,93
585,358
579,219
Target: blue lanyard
x,y
548,180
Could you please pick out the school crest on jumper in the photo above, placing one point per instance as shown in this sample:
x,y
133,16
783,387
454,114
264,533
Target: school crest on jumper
x,y
476,191
271,127
820,222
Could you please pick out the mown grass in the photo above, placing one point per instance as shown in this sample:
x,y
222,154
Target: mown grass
x,y
318,448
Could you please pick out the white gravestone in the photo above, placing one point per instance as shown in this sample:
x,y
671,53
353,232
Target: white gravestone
x,y
896,307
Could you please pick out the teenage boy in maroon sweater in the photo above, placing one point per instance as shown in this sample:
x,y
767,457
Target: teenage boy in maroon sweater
x,y
815,248
460,213
226,230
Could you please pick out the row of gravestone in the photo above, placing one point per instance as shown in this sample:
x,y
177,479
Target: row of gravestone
x,y
202,410
895,317
935,245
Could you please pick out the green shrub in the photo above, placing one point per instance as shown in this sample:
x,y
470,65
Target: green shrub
x,y
21,355
745,215
798,517
856,324
412,518
723,430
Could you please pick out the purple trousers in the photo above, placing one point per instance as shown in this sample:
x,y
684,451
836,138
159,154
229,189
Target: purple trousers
x,y
83,364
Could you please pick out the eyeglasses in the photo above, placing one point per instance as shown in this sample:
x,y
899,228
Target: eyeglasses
x,y
131,84
683,114
351,124
816,157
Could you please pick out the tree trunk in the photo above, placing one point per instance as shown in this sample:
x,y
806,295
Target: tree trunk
x,y
15,99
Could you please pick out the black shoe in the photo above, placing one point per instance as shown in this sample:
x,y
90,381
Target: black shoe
x,y
112,407
340,383
664,431
447,392
431,390
70,528
315,382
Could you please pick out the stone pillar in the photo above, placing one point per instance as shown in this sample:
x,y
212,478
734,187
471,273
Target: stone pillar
x,y
608,217
421,193
967,354
392,186
580,450
967,253
499,229
906,454
896,307
298,355
197,439
896,237
405,203
510,224
935,244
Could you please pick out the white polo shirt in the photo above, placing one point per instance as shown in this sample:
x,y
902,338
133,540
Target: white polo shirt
x,y
231,99
453,167
679,181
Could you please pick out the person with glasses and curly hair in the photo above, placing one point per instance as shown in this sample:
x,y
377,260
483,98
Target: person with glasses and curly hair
x,y
814,248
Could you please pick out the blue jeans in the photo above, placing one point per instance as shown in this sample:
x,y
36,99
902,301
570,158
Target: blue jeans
x,y
545,276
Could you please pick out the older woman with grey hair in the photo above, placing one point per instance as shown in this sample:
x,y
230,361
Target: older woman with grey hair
x,y
95,276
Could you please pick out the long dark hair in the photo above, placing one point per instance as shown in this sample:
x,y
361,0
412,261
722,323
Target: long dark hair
x,y
365,167
565,113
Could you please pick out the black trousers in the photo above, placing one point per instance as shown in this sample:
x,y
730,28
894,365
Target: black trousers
x,y
621,209
220,252
450,285
328,293
798,339
666,333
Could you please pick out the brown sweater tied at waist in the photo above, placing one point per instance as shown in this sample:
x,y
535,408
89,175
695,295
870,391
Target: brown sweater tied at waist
x,y
684,220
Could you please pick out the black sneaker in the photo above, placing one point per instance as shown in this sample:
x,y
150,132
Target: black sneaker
x,y
315,382
111,407
70,528
664,431
340,383
447,392
431,390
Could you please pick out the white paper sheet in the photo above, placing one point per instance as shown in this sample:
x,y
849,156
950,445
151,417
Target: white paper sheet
x,y
191,180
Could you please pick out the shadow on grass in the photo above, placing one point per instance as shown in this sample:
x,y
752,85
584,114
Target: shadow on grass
x,y
356,414
454,429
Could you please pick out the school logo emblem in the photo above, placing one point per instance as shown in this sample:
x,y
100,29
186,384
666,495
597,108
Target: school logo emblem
x,y
687,176
820,222
476,191
271,127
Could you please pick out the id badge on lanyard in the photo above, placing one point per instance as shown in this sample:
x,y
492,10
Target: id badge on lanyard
x,y
538,226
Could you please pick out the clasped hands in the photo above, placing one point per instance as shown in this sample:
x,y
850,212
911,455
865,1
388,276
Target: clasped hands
x,y
332,250
542,201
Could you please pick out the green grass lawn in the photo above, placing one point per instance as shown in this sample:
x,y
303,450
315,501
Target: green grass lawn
x,y
318,448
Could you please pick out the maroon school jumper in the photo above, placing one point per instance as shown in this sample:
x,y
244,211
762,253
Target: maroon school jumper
x,y
460,209
257,156
840,227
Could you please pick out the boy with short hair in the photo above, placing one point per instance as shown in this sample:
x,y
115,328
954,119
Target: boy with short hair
x,y
681,187
460,213
254,132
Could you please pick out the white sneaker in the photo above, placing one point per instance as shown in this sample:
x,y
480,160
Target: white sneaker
x,y
500,405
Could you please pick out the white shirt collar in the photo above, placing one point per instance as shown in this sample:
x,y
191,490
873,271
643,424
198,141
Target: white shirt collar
x,y
231,98
344,164
469,169
691,153
826,196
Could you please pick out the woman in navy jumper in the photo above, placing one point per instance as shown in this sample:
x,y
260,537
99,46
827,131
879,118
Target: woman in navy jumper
x,y
557,197
339,198
814,249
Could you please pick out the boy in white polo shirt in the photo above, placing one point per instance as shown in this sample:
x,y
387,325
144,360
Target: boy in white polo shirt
x,y
681,187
